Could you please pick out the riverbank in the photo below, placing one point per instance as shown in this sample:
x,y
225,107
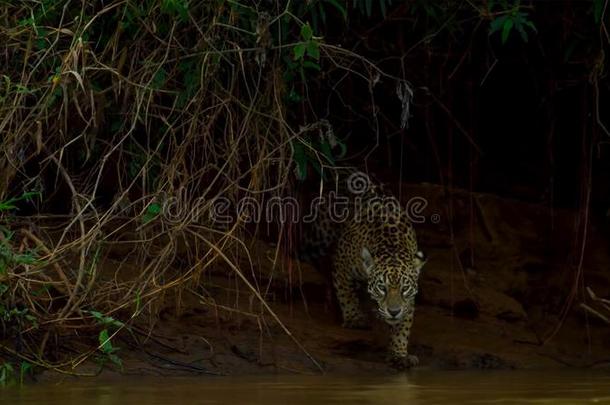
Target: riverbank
x,y
500,306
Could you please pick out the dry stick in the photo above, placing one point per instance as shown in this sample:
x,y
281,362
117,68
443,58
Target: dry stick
x,y
211,302
84,356
169,285
40,244
262,300
70,290
132,128
42,364
595,312
366,62
603,302
69,307
80,215
80,212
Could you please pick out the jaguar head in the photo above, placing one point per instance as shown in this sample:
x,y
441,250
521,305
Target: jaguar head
x,y
392,283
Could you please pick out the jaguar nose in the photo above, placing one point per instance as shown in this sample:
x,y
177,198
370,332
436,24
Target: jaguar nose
x,y
394,312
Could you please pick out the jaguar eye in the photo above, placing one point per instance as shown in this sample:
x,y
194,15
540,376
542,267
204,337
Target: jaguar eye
x,y
382,289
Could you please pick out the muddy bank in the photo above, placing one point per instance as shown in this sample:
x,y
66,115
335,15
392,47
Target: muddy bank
x,y
497,293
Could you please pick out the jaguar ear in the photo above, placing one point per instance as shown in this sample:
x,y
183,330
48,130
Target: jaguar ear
x,y
367,260
420,260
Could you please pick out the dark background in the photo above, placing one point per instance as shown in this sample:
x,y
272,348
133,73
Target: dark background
x,y
528,107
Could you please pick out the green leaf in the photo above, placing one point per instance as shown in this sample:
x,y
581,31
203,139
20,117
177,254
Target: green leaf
x,y
10,204
7,205
24,368
300,159
294,96
306,32
325,148
313,50
311,65
159,78
521,31
508,25
97,315
430,10
105,344
342,147
23,90
152,211
598,8
26,21
138,303
41,44
531,25
299,51
569,50
115,126
497,24
25,258
57,93
32,319
316,166
106,320
7,374
383,8
175,7
115,359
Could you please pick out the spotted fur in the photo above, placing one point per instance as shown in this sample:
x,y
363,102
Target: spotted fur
x,y
377,249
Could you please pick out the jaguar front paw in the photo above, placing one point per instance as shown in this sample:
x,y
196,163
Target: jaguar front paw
x,y
404,362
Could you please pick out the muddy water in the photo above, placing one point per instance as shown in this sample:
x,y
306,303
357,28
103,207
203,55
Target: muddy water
x,y
419,387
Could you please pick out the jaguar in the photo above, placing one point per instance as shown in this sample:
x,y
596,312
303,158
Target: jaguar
x,y
374,249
